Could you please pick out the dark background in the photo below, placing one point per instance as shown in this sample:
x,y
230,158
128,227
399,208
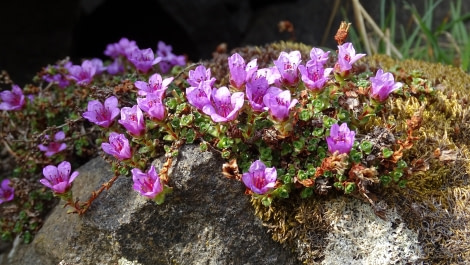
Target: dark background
x,y
37,33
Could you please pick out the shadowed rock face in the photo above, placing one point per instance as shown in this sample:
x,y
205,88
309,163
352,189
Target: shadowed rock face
x,y
206,220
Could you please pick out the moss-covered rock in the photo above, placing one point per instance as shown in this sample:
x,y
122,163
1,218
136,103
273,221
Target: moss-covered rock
x,y
431,119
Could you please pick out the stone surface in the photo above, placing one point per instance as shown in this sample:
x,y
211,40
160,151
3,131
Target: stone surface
x,y
206,220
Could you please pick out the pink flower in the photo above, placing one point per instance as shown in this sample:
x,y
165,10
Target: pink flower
x,y
239,71
199,96
256,88
279,103
154,84
58,178
115,67
271,74
287,64
153,105
118,146
148,183
314,75
54,147
12,100
133,120
168,59
123,47
318,57
7,193
143,60
259,178
346,57
57,74
82,74
341,139
102,115
199,75
98,63
224,106
383,84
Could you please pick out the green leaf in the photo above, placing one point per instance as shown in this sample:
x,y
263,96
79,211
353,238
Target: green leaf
x,y
386,152
169,137
266,201
307,192
226,154
172,103
203,146
355,156
305,115
385,179
302,175
282,192
366,147
401,164
190,136
186,120
396,175
224,143
299,145
350,187
144,149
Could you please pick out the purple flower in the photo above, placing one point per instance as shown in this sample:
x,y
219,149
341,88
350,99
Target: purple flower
x,y
239,72
152,105
98,63
82,74
7,193
58,178
58,79
12,100
115,67
225,106
346,57
102,115
168,59
200,74
287,64
144,59
278,102
199,96
123,47
55,146
118,146
133,120
314,75
318,57
259,178
341,139
57,73
155,84
148,183
256,88
383,84
271,74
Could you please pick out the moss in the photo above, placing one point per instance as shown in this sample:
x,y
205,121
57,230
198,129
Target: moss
x,y
434,201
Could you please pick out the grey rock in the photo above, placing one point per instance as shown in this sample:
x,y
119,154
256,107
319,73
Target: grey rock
x,y
206,220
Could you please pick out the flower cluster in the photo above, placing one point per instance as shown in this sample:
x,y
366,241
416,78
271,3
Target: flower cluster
x,y
276,120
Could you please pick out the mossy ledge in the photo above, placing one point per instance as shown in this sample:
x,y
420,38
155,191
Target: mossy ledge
x,y
434,202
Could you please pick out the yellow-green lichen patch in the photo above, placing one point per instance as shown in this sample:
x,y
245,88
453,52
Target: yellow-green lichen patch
x,y
435,201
